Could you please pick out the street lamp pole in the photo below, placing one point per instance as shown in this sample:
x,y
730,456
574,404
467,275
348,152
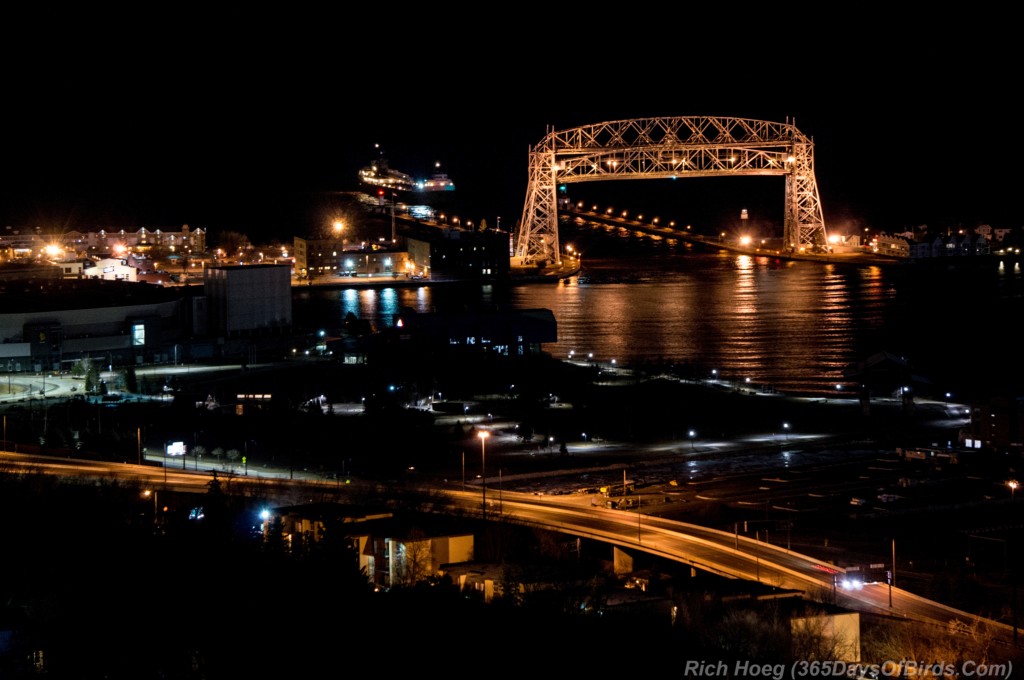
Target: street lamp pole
x,y
483,434
393,217
156,502
892,572
638,539
1013,484
757,554
894,562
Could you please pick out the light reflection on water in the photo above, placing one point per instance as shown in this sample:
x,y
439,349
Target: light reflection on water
x,y
790,326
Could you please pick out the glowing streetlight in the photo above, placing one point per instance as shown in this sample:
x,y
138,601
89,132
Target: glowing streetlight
x,y
785,428
150,493
483,434
1013,484
693,435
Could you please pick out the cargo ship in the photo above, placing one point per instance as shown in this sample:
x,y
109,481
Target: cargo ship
x,y
381,180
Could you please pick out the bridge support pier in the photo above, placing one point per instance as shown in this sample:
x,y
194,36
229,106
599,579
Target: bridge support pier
x,y
622,561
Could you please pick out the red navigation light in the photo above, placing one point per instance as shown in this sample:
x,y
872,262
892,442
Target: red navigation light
x,y
380,192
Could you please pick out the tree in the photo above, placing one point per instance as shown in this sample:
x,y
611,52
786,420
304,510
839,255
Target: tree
x,y
816,637
525,432
232,241
416,562
92,377
131,381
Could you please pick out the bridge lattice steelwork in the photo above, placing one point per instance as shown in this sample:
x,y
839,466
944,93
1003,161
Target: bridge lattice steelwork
x,y
659,148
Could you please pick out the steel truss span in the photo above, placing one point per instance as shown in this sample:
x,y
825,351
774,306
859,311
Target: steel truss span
x,y
660,148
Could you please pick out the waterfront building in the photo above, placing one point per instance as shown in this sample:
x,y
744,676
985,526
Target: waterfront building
x,y
962,245
892,246
318,258
459,254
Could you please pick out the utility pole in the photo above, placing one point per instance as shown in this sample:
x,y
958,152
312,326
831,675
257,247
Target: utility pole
x,y
392,218
894,561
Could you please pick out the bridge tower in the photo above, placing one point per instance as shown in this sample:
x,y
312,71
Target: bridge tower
x,y
538,230
660,148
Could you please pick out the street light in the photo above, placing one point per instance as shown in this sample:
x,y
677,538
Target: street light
x,y
155,495
785,428
483,434
692,434
1013,484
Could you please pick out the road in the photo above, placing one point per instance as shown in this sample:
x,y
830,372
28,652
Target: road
x,y
717,552
721,553
726,554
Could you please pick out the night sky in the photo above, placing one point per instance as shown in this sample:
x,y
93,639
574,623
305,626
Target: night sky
x,y
236,133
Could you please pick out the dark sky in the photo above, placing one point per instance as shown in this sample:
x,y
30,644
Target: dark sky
x,y
162,130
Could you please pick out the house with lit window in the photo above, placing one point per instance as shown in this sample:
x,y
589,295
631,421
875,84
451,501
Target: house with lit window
x,y
111,269
303,526
411,559
387,556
